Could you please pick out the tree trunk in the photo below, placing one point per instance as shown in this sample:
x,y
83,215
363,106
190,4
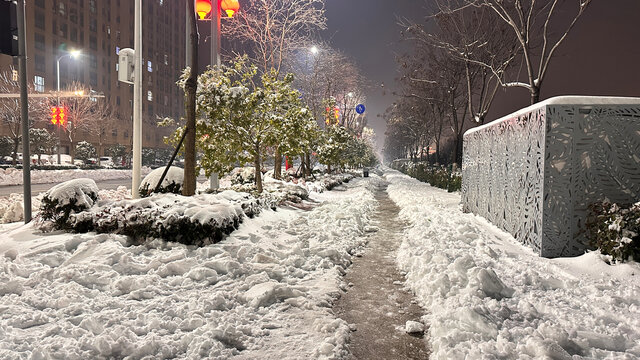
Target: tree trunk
x,y
535,95
16,143
189,187
258,173
72,152
308,161
277,166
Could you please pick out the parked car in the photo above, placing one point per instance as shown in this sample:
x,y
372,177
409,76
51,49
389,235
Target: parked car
x,y
106,161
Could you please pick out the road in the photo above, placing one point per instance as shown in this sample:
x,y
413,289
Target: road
x,y
38,188
103,185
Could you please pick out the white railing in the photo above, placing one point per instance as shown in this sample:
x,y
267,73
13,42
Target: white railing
x,y
535,172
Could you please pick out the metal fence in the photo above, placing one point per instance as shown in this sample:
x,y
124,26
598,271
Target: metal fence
x,y
535,172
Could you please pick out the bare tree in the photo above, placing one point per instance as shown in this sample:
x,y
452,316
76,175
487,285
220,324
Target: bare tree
x,y
471,36
10,109
274,28
530,22
85,115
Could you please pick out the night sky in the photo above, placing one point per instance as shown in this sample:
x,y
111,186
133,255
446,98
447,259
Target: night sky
x,y
601,56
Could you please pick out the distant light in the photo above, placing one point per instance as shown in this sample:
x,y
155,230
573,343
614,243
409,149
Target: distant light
x,y
314,50
350,94
74,53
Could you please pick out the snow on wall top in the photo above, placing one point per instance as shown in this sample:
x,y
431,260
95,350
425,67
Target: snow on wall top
x,y
563,100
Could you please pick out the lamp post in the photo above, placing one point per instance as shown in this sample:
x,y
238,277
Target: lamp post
x,y
72,54
203,7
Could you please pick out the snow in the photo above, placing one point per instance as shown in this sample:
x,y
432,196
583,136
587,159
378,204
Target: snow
x,y
487,296
78,189
174,175
414,327
264,292
563,100
13,176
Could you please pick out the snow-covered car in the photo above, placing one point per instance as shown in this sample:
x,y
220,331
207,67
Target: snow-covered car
x,y
106,161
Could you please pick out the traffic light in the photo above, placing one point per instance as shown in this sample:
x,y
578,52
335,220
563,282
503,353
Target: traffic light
x,y
54,115
8,28
58,115
61,116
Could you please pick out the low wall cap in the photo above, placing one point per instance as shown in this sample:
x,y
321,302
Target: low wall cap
x,y
565,100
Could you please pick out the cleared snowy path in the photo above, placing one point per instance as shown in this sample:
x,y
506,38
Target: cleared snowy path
x,y
376,304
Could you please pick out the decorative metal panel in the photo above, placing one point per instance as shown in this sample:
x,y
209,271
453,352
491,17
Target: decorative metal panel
x,y
534,174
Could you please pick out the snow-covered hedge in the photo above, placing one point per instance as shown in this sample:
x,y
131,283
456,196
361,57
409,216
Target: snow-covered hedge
x,y
197,220
615,230
438,176
68,198
172,182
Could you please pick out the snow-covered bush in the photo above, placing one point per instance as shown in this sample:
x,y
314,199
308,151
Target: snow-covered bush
x,y
69,197
172,182
197,220
85,150
615,230
438,176
243,175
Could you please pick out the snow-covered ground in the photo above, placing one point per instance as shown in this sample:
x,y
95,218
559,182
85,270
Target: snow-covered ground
x,y
13,176
488,297
264,292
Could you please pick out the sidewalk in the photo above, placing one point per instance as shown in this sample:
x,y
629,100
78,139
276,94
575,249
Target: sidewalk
x,y
488,296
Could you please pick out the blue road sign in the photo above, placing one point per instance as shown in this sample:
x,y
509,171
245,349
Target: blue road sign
x,y
360,109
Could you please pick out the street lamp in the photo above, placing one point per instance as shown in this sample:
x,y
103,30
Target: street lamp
x,y
314,50
74,54
204,7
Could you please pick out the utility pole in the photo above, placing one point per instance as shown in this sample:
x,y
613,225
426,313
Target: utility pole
x,y
137,102
214,182
24,109
190,88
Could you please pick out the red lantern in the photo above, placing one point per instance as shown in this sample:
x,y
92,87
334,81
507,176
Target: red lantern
x,y
61,115
203,7
54,115
230,7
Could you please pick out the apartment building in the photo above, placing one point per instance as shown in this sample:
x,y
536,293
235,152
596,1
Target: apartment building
x,y
99,29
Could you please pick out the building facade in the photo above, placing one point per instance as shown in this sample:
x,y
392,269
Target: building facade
x,y
99,29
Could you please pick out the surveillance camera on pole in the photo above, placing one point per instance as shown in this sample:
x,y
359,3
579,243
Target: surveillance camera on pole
x,y
126,65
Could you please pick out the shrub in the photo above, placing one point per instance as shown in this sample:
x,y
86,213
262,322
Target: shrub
x,y
615,230
197,220
172,182
67,198
437,176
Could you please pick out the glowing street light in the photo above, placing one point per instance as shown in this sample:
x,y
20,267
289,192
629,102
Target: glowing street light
x,y
203,8
74,54
230,7
314,50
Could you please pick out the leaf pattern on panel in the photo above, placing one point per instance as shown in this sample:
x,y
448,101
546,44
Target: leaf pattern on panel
x,y
535,174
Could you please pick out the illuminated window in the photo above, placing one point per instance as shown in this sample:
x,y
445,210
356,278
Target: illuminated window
x,y
38,83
